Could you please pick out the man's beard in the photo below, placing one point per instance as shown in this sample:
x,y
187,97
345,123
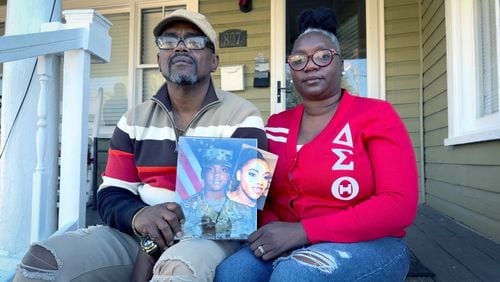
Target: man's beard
x,y
180,78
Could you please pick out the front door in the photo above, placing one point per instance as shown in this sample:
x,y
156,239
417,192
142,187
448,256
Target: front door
x,y
360,33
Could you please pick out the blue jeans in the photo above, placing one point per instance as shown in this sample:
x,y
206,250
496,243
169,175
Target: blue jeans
x,y
386,259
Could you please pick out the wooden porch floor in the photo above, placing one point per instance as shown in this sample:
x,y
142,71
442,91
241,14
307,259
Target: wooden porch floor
x,y
450,250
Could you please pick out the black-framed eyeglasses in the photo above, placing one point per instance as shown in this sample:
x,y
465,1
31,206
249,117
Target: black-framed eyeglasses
x,y
321,58
191,42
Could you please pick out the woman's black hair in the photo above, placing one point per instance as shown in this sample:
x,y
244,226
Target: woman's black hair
x,y
320,18
246,154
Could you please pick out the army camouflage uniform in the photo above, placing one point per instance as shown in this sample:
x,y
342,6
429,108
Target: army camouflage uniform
x,y
230,221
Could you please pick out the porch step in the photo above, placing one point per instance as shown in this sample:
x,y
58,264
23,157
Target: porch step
x,y
8,268
8,264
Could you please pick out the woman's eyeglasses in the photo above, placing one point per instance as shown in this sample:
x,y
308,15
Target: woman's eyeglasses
x,y
191,43
321,58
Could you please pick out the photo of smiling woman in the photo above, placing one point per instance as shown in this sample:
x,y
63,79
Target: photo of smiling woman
x,y
251,179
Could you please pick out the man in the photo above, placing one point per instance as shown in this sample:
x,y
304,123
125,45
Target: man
x,y
137,194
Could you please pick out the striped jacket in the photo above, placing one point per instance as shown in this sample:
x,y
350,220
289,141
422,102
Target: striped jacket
x,y
141,168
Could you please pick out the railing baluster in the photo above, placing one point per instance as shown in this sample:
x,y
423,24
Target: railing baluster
x,y
40,205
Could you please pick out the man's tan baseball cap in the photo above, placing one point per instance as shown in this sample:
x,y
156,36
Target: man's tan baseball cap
x,y
197,19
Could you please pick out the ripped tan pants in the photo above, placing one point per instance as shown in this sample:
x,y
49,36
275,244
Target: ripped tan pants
x,y
106,254
192,260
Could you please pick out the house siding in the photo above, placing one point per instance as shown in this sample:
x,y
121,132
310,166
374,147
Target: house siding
x,y
461,181
225,15
3,12
403,68
95,4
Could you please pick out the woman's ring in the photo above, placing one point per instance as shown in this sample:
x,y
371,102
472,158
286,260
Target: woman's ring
x,y
261,249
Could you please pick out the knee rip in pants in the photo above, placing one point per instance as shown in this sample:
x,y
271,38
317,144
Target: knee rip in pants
x,y
323,262
173,269
39,263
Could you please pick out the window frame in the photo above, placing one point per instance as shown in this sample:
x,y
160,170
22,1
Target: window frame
x,y
138,68
464,124
106,131
135,69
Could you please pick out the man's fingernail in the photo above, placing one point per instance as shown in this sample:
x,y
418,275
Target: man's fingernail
x,y
178,234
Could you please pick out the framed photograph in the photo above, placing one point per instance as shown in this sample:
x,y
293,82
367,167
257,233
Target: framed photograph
x,y
221,182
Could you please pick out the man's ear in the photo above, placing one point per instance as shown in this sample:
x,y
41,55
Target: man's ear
x,y
215,62
158,61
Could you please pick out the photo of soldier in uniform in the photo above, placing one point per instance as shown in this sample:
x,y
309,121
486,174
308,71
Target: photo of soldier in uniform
x,y
206,169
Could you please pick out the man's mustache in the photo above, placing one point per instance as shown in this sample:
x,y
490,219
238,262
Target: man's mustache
x,y
181,58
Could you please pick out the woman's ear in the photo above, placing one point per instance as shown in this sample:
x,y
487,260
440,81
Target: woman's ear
x,y
238,175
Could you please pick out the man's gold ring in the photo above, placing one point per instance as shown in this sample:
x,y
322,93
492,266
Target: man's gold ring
x,y
261,249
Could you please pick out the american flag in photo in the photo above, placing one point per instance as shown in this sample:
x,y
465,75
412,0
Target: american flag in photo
x,y
188,171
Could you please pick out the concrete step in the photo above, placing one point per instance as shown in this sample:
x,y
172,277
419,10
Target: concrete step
x,y
8,267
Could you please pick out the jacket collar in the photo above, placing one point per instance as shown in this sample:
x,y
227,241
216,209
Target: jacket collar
x,y
163,97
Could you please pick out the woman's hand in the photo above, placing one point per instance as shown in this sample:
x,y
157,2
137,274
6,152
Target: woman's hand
x,y
160,222
276,238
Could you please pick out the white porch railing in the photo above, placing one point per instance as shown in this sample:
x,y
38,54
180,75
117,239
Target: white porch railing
x,y
84,35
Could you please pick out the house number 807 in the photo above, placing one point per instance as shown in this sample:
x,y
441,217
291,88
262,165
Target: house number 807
x,y
233,38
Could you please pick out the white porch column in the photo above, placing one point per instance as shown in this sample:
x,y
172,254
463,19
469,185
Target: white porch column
x,y
74,131
74,138
21,88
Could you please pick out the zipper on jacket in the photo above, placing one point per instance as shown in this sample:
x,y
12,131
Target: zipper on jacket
x,y
195,117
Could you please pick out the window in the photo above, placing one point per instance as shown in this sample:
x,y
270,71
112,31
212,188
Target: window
x,y
113,76
131,76
472,43
486,43
152,79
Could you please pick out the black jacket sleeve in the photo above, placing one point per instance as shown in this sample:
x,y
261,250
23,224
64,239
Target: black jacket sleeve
x,y
117,207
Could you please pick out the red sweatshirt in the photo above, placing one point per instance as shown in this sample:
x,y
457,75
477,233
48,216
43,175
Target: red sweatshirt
x,y
356,181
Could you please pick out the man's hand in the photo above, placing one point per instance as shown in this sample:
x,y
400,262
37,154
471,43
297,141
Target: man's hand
x,y
160,223
276,238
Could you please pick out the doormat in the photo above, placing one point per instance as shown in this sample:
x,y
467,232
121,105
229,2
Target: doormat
x,y
417,269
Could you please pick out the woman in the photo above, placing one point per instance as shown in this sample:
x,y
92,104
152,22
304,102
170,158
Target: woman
x,y
251,179
345,185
